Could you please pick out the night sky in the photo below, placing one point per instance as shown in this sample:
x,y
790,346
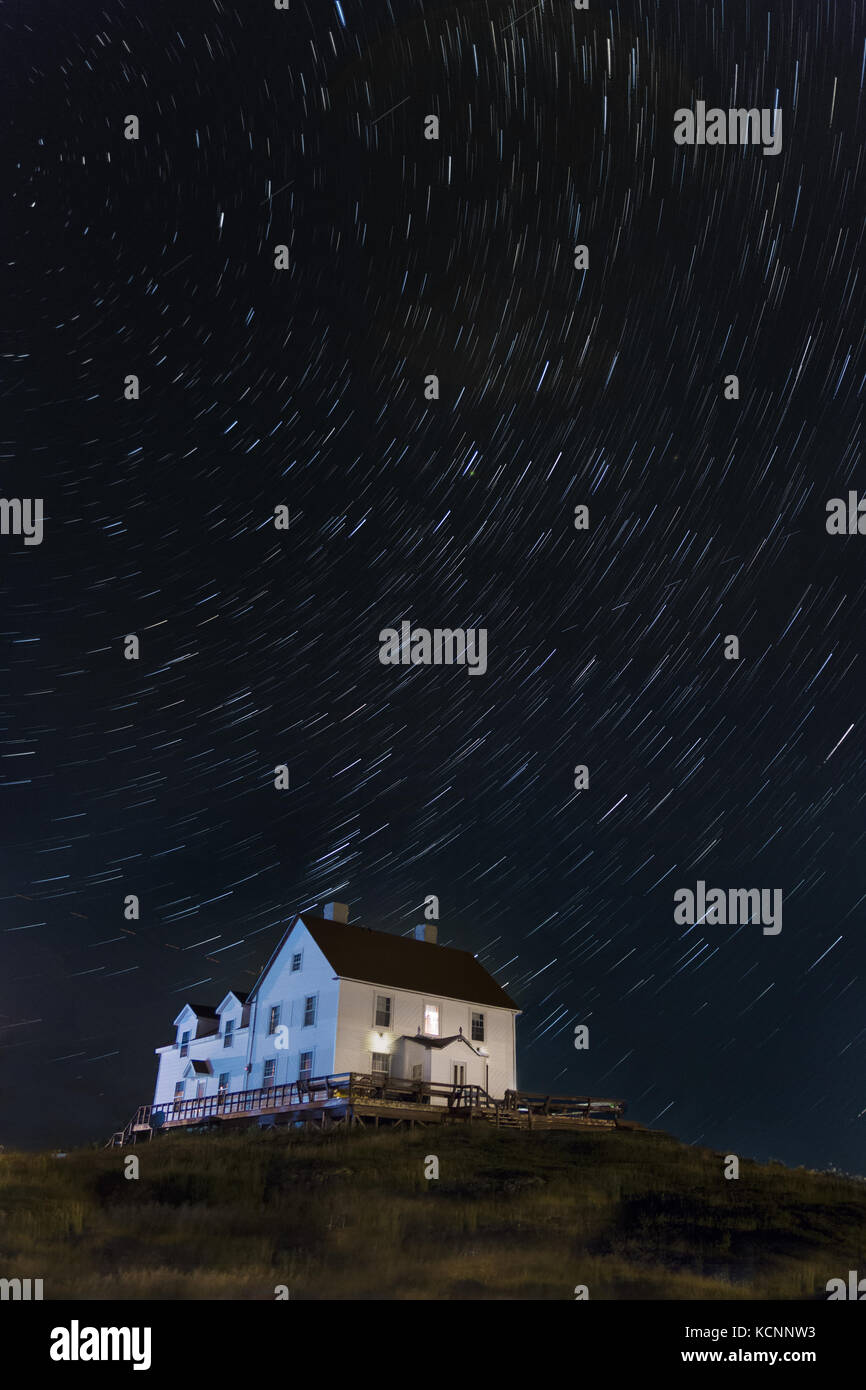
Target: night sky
x,y
558,387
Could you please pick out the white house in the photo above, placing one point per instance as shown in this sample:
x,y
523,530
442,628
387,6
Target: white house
x,y
337,998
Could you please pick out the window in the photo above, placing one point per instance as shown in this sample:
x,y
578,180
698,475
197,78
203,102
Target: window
x,y
310,1010
477,1027
274,1019
270,1068
383,1011
178,1092
228,1033
431,1020
223,1083
459,1077
381,1063
416,1071
200,1088
305,1066
184,1044
296,962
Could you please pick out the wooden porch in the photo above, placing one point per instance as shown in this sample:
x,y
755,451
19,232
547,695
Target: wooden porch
x,y
369,1098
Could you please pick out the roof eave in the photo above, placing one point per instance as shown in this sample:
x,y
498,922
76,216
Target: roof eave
x,y
510,1007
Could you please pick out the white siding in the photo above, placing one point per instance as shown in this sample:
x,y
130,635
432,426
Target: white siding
x,y
168,1072
231,1059
358,1037
290,989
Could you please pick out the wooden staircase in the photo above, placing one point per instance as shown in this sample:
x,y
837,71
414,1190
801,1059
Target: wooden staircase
x,y
138,1126
474,1103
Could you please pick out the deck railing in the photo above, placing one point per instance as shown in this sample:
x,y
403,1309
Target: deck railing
x,y
316,1090
235,1103
376,1086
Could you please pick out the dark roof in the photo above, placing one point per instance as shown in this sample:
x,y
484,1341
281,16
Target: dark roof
x,y
201,1068
378,958
203,1010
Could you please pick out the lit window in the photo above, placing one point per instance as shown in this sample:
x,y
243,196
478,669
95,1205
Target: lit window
x,y
223,1083
431,1020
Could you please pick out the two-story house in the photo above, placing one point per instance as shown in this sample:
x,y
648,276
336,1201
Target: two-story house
x,y
336,998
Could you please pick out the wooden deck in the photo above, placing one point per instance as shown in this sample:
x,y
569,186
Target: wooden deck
x,y
359,1098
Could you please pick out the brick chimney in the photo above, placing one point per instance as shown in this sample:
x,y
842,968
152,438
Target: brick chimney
x,y
427,931
336,912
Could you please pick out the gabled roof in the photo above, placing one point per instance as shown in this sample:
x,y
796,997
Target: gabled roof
x,y
195,1068
197,1010
226,1003
378,958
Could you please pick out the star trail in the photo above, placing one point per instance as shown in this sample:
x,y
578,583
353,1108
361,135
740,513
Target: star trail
x,y
448,250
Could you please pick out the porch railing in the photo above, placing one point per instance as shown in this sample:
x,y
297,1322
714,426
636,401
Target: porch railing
x,y
380,1086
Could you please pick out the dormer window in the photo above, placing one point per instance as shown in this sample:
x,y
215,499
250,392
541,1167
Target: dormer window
x,y
184,1044
228,1032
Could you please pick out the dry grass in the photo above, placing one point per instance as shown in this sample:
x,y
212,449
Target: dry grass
x,y
351,1216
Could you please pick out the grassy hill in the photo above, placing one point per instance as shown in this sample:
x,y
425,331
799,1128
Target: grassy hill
x,y
630,1213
